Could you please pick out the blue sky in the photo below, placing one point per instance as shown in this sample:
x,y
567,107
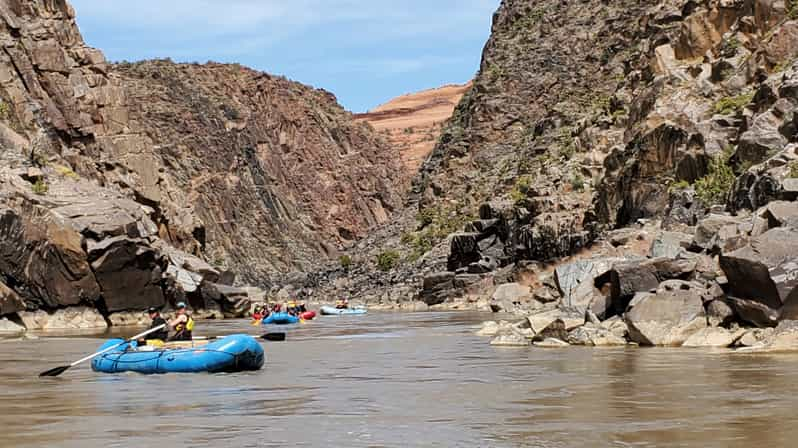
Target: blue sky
x,y
364,51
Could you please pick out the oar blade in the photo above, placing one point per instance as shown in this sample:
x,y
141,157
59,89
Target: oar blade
x,y
55,372
274,336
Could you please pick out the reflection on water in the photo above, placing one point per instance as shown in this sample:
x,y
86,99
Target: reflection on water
x,y
404,380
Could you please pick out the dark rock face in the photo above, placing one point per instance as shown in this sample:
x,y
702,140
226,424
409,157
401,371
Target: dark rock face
x,y
41,252
437,287
129,276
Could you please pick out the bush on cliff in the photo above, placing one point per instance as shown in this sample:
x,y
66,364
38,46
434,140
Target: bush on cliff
x,y
729,105
434,225
40,187
388,260
714,187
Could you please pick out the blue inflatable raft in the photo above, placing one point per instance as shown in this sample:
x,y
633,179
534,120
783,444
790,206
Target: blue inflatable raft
x,y
332,311
234,353
280,319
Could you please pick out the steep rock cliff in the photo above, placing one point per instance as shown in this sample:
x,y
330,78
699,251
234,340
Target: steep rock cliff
x,y
278,173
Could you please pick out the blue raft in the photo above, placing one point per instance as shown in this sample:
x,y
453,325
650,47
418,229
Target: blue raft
x,y
234,353
332,311
280,319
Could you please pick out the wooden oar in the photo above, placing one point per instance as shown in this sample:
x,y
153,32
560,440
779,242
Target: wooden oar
x,y
59,370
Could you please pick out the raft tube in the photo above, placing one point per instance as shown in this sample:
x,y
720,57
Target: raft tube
x,y
280,319
235,353
332,311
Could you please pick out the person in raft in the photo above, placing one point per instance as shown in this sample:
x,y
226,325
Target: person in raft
x,y
182,324
259,313
157,320
342,304
291,308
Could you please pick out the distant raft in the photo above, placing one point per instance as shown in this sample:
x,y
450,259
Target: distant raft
x,y
235,353
332,311
280,319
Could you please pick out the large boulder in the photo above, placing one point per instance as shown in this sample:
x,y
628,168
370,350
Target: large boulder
x,y
567,319
719,313
632,277
721,232
669,244
511,337
667,317
129,319
436,287
594,335
72,318
10,302
576,282
511,297
754,313
10,329
234,302
766,270
713,337
783,338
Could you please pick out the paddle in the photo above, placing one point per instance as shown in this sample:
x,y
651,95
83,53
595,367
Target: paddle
x,y
59,370
256,322
267,336
274,336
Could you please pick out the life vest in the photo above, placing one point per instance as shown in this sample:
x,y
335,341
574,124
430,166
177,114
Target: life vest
x,y
183,329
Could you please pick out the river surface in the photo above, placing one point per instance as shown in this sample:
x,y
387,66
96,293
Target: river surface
x,y
404,380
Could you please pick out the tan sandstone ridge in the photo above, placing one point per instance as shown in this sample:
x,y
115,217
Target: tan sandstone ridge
x,y
127,186
412,123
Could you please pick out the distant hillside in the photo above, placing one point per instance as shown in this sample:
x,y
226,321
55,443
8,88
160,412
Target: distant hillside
x,y
413,122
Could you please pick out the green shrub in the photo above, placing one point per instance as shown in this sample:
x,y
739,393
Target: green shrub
x,y
435,224
66,172
679,186
521,189
566,143
346,261
577,183
714,187
733,104
494,72
5,110
793,169
792,9
388,260
40,187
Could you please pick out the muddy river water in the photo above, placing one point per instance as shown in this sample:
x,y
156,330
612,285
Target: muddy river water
x,y
399,380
